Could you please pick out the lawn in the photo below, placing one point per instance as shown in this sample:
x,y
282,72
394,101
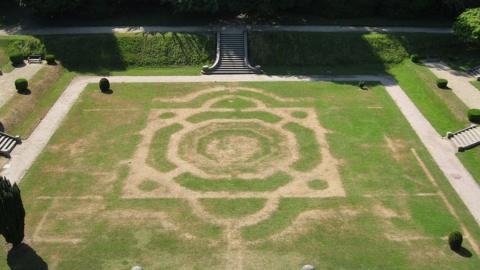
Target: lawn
x,y
205,176
443,109
476,84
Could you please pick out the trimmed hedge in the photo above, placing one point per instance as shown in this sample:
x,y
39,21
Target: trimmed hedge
x,y
474,115
340,49
16,59
118,52
442,83
50,59
455,240
21,85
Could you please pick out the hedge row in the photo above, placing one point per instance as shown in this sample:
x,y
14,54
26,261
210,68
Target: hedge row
x,y
110,52
264,8
331,49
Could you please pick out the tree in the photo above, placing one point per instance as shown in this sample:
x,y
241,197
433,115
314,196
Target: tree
x,y
12,213
467,26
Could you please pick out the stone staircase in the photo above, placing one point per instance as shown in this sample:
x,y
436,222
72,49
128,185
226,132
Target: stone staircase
x,y
465,139
7,143
232,55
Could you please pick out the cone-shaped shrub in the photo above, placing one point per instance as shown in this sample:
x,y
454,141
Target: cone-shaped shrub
x,y
21,84
455,240
104,85
12,213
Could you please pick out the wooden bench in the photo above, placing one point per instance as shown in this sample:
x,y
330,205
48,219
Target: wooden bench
x,y
35,59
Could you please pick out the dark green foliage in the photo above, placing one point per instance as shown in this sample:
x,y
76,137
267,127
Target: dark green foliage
x,y
455,240
16,59
414,58
50,59
474,115
12,213
263,8
442,83
27,47
98,53
104,85
467,26
21,85
343,49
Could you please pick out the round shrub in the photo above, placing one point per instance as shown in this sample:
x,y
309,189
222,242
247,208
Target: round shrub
x,y
442,83
104,85
474,115
455,240
16,59
414,58
21,84
50,59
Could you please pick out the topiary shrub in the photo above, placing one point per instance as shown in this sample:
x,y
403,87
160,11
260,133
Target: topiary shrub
x,y
21,85
50,59
12,213
442,83
414,58
104,85
474,115
16,59
455,240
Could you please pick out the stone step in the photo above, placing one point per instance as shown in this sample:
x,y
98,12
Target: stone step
x,y
466,139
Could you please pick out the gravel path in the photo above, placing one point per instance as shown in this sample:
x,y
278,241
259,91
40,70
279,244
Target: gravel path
x,y
266,28
458,81
441,150
7,80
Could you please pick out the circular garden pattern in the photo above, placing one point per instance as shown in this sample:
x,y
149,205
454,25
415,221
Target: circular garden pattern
x,y
233,148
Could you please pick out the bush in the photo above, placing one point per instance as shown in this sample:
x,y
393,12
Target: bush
x,y
414,58
442,83
104,85
16,59
467,26
12,212
455,240
474,115
50,59
21,84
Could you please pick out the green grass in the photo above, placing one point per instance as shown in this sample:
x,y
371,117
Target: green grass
x,y
318,184
234,103
148,185
442,108
129,227
125,54
271,183
264,116
158,154
308,147
233,208
352,53
476,84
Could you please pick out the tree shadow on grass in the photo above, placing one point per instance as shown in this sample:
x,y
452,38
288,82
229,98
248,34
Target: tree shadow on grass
x,y
23,257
